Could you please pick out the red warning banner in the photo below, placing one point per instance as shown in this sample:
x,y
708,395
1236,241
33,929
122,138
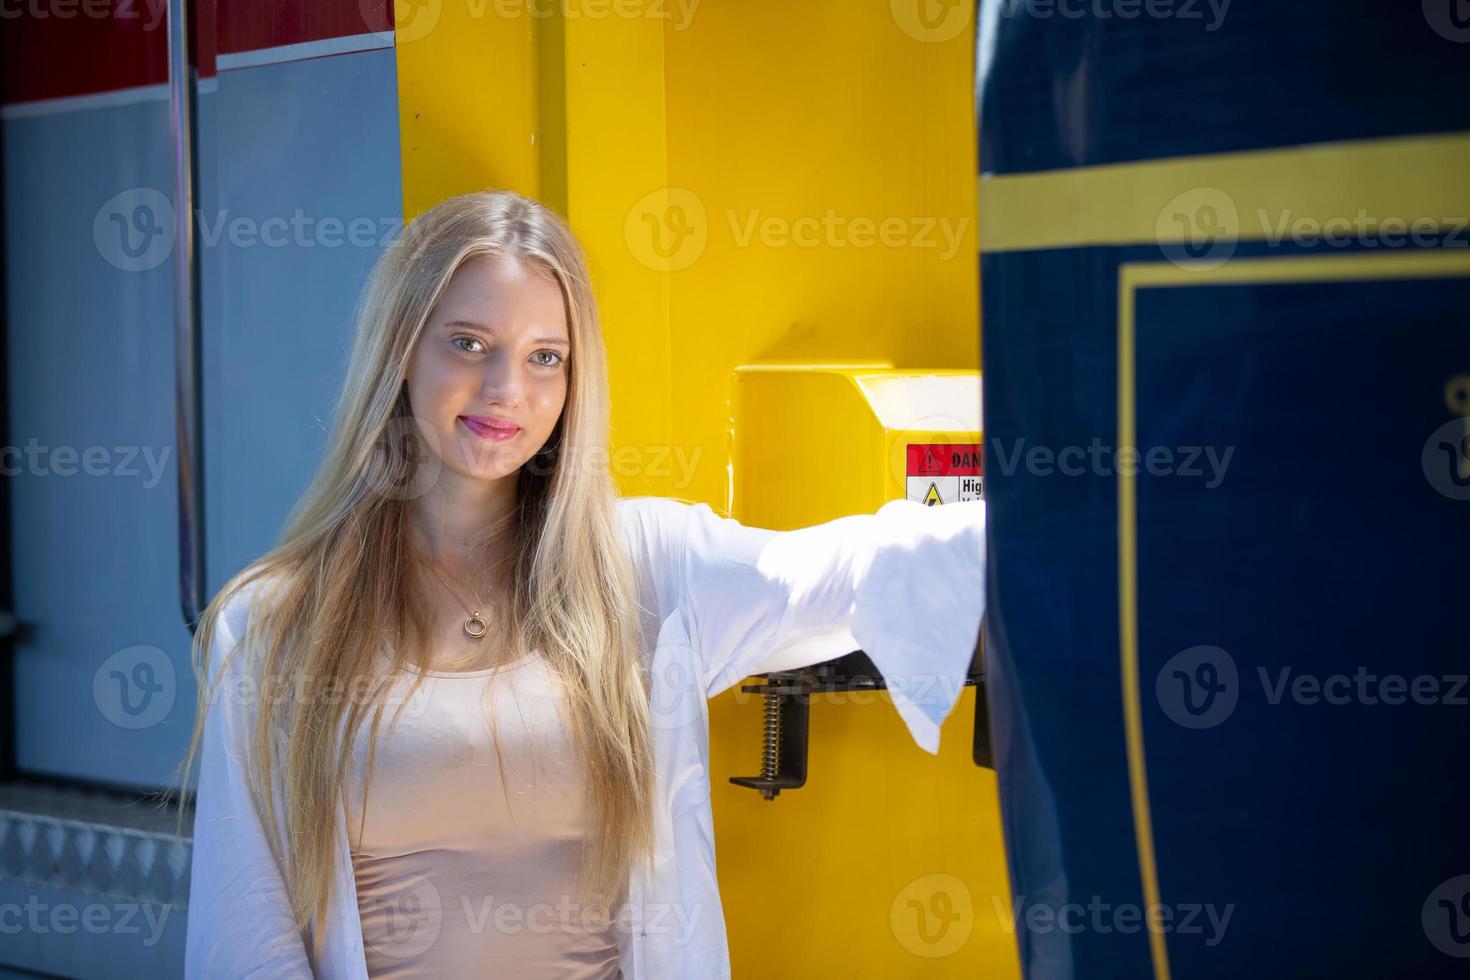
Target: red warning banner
x,y
945,459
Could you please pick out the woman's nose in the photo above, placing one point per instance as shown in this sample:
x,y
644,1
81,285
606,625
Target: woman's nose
x,y
502,381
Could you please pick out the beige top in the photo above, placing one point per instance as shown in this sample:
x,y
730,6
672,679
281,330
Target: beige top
x,y
467,862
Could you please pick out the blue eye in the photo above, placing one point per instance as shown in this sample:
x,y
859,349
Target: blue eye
x,y
457,339
554,354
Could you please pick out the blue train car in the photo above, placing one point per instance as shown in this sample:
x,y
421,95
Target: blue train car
x,y
1225,278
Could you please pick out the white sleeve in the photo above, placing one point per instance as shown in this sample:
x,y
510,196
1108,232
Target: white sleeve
x,y
240,922
904,584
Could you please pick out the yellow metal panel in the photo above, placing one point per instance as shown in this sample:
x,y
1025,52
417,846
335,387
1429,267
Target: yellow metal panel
x,y
759,184
467,101
899,851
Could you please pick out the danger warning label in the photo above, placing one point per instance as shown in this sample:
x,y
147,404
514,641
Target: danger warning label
x,y
943,472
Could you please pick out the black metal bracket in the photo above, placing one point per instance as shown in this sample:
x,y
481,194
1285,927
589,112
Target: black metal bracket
x,y
786,696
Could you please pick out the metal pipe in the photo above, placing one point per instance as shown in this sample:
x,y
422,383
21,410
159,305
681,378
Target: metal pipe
x,y
188,404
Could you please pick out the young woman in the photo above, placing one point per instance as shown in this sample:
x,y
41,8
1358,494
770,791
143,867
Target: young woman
x,y
454,724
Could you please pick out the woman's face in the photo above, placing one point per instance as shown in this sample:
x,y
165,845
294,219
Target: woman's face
x,y
488,374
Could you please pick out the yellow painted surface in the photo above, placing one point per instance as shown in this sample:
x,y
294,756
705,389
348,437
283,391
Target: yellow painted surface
x,y
915,879
758,183
1336,189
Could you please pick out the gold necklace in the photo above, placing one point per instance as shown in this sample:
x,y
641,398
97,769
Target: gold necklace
x,y
474,625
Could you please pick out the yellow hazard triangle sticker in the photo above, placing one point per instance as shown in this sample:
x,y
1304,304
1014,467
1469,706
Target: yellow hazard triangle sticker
x,y
932,497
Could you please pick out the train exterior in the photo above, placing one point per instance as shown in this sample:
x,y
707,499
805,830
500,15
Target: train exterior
x,y
1225,276
780,243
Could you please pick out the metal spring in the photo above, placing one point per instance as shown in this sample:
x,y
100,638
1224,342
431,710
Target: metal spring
x,y
771,739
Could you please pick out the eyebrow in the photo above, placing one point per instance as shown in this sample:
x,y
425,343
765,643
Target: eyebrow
x,y
480,326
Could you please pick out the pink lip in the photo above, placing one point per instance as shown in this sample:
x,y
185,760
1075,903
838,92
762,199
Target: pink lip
x,y
490,428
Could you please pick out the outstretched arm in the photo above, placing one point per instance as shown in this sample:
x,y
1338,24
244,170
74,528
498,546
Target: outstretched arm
x,y
905,584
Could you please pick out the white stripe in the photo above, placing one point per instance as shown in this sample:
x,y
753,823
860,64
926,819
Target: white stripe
x,y
77,103
306,49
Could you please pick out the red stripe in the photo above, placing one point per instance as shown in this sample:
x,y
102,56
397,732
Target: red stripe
x,y
103,46
250,25
944,459
85,47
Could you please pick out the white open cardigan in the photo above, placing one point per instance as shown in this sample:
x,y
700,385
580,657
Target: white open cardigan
x,y
722,601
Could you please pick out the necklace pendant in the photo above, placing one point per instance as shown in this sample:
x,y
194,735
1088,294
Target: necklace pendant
x,y
474,627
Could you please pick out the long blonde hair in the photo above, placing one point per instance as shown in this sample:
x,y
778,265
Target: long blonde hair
x,y
338,577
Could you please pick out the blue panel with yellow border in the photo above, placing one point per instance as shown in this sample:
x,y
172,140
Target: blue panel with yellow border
x,y
1228,478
